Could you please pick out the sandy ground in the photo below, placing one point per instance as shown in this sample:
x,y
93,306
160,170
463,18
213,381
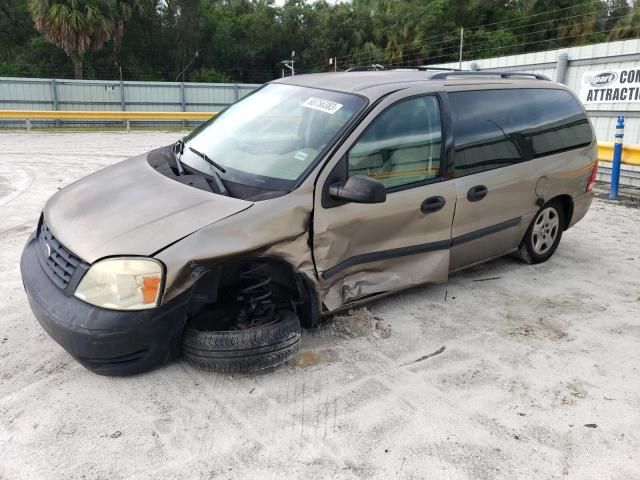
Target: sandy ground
x,y
535,373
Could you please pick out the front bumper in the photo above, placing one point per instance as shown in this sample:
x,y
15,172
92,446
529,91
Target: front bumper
x,y
107,342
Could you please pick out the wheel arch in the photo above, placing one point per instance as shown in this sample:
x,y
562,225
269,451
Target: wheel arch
x,y
567,208
304,295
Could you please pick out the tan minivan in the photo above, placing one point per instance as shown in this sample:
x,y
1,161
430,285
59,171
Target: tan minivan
x,y
314,193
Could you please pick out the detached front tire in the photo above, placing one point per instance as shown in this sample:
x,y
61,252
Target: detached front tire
x,y
244,350
544,234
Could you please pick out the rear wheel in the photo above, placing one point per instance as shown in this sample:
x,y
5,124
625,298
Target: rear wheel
x,y
544,234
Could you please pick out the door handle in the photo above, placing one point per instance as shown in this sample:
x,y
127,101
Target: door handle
x,y
432,204
477,193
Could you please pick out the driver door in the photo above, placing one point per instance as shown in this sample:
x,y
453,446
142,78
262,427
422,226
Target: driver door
x,y
362,250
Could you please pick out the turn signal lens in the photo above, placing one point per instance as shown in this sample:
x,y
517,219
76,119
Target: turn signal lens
x,y
122,284
150,289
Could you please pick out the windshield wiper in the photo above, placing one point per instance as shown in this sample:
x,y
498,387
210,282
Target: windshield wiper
x,y
206,158
216,176
178,150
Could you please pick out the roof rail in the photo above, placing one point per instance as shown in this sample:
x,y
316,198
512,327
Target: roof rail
x,y
466,73
374,67
443,69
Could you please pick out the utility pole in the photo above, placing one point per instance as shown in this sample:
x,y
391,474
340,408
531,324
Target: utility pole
x,y
181,74
289,64
461,45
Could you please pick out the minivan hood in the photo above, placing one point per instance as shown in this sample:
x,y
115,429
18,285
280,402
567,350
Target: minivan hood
x,y
130,209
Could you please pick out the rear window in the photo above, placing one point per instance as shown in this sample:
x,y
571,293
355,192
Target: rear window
x,y
497,128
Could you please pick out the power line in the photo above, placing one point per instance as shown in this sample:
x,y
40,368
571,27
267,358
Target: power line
x,y
525,44
473,30
416,48
477,27
453,49
538,14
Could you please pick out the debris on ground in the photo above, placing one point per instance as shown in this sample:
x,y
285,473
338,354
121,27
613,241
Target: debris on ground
x,y
356,323
437,352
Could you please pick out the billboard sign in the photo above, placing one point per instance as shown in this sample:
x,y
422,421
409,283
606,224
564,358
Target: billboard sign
x,y
611,86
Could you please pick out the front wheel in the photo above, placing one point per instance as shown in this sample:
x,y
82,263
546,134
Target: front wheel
x,y
242,350
544,234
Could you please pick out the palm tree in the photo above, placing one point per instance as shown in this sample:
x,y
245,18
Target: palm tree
x,y
76,26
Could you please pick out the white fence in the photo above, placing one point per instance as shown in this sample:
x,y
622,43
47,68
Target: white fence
x,y
99,95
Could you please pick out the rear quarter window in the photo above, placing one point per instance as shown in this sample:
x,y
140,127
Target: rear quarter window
x,y
497,128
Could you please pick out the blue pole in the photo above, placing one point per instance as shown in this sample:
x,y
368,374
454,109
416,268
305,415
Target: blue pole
x,y
617,159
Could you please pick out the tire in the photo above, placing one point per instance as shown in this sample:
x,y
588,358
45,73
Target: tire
x,y
543,235
243,350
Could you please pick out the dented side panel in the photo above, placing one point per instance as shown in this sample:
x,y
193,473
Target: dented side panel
x,y
364,250
378,278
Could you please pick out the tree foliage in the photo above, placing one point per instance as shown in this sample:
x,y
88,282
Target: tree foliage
x,y
246,40
76,26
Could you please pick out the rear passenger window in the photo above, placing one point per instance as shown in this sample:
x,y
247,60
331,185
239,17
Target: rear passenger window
x,y
497,128
401,146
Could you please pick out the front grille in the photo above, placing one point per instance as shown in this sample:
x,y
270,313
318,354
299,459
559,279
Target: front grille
x,y
59,263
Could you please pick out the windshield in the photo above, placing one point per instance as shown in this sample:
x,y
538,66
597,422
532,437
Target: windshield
x,y
271,137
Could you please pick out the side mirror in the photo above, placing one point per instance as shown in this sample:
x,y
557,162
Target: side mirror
x,y
359,189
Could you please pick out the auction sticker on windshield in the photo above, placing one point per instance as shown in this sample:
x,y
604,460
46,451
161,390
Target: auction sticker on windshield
x,y
326,106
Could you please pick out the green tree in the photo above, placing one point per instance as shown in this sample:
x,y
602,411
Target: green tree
x,y
245,40
628,26
76,26
120,13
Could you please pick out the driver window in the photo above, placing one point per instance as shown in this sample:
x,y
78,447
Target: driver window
x,y
401,146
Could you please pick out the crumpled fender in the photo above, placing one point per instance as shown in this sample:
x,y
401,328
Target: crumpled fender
x,y
276,228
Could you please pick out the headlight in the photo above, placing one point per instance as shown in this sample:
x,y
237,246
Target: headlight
x,y
122,284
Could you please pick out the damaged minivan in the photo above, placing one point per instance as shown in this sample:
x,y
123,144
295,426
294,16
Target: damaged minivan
x,y
311,195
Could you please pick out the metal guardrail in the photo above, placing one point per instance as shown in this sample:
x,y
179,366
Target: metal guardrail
x,y
630,153
29,115
629,175
57,94
110,115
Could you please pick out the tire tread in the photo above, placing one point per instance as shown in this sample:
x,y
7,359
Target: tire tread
x,y
243,350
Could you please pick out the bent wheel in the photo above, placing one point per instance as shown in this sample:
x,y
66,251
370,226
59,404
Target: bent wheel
x,y
243,350
544,234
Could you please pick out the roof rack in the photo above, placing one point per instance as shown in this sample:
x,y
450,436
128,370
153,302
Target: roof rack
x,y
443,69
466,73
374,67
